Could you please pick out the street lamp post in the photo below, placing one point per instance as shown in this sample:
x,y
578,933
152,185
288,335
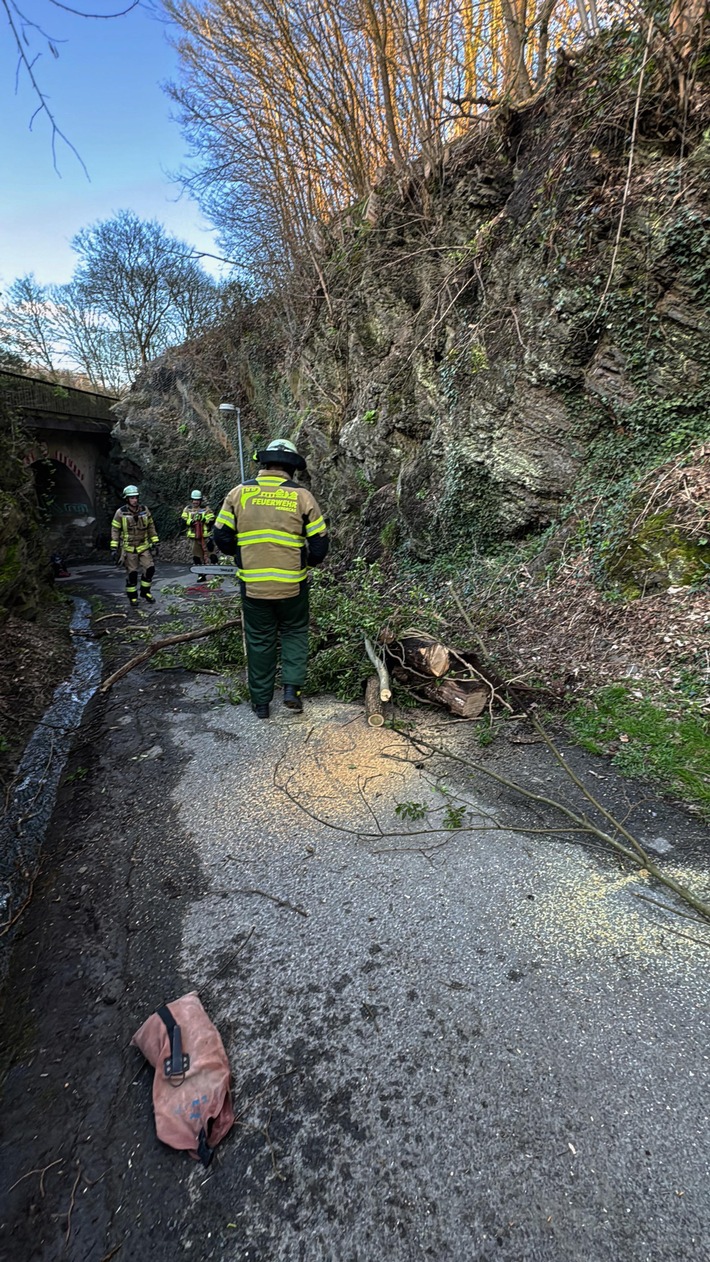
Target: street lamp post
x,y
229,408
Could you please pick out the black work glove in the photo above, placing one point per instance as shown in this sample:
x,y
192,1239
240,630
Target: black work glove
x,y
156,550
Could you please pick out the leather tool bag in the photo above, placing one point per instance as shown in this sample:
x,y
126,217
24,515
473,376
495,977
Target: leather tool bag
x,y
191,1097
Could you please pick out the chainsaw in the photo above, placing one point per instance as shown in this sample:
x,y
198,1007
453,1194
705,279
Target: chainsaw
x,y
215,571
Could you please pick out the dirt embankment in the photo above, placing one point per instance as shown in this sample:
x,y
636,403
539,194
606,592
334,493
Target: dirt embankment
x,y
36,657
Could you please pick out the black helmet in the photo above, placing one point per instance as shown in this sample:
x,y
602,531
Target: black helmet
x,y
281,452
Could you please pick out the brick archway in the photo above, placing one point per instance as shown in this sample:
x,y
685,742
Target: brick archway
x,y
66,505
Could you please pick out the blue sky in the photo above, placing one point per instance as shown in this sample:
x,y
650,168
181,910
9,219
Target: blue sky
x,y
106,93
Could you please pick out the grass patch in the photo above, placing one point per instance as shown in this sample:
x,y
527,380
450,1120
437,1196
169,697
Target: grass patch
x,y
646,739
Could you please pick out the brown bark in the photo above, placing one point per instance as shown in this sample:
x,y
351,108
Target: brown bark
x,y
374,706
463,697
420,653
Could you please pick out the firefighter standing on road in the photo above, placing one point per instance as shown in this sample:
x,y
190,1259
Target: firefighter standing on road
x,y
133,533
276,531
199,522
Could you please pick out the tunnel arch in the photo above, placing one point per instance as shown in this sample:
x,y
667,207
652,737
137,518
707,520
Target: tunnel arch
x,y
65,506
59,491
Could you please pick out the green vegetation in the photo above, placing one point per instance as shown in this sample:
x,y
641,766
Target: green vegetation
x,y
232,690
215,654
665,414
345,608
80,774
655,554
670,750
410,810
24,572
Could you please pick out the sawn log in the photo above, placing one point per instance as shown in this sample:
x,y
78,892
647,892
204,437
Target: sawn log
x,y
462,697
421,653
374,705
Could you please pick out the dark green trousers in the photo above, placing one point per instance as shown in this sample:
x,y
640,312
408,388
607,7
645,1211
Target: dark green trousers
x,y
264,621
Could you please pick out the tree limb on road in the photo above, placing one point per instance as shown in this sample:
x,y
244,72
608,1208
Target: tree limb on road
x,y
167,643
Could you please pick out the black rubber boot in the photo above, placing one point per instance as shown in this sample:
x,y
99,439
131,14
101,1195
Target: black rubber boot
x,y
292,697
261,711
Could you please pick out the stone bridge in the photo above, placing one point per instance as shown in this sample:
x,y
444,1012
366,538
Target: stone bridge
x,y
69,433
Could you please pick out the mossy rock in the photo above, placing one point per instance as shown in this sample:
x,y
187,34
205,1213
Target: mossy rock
x,y
656,555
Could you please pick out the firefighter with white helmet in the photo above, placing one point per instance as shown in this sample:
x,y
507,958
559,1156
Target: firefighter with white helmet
x,y
198,519
134,543
276,530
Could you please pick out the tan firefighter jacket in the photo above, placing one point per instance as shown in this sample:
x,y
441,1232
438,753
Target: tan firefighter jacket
x,y
276,530
192,515
133,532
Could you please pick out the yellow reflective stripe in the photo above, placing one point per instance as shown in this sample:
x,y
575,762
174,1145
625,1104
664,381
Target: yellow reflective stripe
x,y
270,479
270,530
226,518
313,527
280,543
272,576
282,537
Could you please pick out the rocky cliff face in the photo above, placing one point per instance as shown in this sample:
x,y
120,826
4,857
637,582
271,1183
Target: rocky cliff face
x,y
170,439
489,339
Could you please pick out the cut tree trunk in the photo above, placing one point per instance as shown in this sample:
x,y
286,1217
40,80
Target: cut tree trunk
x,y
462,697
374,705
420,653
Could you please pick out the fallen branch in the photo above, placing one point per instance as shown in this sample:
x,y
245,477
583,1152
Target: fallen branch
x,y
632,852
457,601
382,672
280,902
72,1202
41,1171
635,855
167,643
374,705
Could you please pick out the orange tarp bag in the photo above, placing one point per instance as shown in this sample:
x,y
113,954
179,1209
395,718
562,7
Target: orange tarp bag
x,y
191,1097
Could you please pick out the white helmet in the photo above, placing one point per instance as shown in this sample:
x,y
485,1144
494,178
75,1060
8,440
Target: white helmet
x,y
130,490
281,451
196,495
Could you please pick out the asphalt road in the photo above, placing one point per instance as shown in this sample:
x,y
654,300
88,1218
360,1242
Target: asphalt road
x,y
460,1046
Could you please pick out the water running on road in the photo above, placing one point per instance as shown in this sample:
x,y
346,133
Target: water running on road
x,y
31,802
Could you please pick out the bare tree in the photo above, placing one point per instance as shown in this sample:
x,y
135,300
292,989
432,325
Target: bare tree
x,y
294,110
28,324
143,282
86,338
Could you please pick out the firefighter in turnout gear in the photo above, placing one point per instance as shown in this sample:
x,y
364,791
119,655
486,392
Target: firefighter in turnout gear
x,y
199,522
134,543
276,531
